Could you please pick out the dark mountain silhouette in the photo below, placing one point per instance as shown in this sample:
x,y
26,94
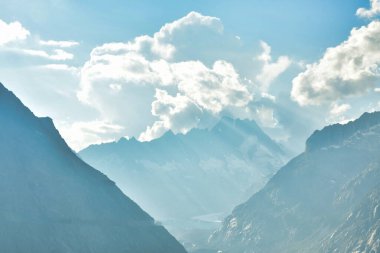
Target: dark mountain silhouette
x,y
51,201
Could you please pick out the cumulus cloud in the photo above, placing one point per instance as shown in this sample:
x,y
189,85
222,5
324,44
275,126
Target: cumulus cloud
x,y
212,89
270,70
12,32
187,75
59,43
158,67
347,70
203,92
373,11
177,113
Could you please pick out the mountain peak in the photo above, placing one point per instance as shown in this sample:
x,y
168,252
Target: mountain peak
x,y
169,134
13,110
14,114
337,133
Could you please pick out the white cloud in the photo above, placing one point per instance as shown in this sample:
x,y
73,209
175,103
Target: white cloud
x,y
338,109
59,43
61,55
163,64
349,69
82,134
270,70
203,93
12,32
177,113
268,96
186,75
60,67
266,117
370,13
212,89
339,113
56,55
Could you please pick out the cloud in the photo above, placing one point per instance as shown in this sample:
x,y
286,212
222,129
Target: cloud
x,y
12,32
347,70
58,43
212,89
266,118
338,109
270,70
61,67
339,113
369,13
186,75
157,67
90,132
203,93
25,60
56,55
177,113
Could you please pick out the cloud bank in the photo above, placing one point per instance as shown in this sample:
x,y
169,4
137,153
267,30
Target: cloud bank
x,y
187,75
169,74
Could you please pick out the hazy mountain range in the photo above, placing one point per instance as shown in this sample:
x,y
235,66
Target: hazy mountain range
x,y
190,182
324,200
51,201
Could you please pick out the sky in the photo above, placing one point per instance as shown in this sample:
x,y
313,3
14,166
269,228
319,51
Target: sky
x,y
103,70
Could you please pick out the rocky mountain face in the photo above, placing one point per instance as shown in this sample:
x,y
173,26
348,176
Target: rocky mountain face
x,y
189,182
324,200
51,201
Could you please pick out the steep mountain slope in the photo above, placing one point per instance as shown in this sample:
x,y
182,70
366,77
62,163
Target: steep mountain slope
x,y
324,200
189,181
51,201
361,230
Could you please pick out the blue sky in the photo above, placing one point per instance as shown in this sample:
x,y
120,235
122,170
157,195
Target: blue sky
x,y
299,27
246,54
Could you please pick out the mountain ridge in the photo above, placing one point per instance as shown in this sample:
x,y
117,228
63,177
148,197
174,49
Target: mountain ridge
x,y
220,125
308,200
54,202
337,133
181,177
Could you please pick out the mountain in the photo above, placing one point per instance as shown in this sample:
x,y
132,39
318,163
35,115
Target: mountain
x,y
51,201
324,200
189,182
360,231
